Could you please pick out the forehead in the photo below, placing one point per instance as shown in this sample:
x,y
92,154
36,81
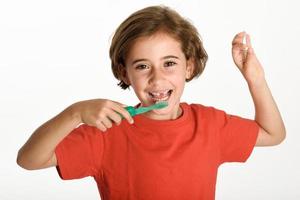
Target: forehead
x,y
156,45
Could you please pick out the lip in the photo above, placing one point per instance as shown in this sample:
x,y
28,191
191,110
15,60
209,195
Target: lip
x,y
159,91
154,100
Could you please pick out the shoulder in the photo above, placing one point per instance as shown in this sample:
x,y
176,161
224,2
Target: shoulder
x,y
208,114
207,111
86,132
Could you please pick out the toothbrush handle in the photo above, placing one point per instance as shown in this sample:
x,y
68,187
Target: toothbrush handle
x,y
131,111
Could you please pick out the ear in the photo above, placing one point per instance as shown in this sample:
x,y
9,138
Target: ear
x,y
190,65
123,74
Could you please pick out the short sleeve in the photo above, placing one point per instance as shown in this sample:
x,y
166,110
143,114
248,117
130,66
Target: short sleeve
x,y
237,137
80,153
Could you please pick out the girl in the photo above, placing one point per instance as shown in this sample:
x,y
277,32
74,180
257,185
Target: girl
x,y
170,153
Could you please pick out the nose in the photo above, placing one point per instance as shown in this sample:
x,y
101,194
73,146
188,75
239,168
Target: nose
x,y
156,75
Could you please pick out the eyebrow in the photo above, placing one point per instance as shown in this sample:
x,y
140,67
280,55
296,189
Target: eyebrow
x,y
162,58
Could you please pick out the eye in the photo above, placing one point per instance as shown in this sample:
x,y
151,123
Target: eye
x,y
169,63
141,66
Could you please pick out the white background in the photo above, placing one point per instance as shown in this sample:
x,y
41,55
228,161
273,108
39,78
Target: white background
x,y
54,53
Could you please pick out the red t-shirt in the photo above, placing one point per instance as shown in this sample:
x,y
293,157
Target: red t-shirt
x,y
152,159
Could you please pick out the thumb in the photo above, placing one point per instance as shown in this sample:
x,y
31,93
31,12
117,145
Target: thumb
x,y
251,52
120,104
123,105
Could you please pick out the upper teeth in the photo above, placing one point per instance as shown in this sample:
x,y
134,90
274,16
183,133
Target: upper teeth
x,y
160,93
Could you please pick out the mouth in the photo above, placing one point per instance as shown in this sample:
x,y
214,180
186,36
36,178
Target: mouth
x,y
161,95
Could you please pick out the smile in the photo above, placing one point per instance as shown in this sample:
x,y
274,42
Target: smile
x,y
162,95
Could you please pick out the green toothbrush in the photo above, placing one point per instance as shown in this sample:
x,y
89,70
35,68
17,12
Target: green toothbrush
x,y
135,111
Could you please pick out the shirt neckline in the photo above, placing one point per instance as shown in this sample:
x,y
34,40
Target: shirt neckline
x,y
145,122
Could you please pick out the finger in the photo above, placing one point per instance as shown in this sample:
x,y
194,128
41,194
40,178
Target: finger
x,y
120,104
106,122
239,47
238,38
121,110
115,117
100,126
251,51
248,41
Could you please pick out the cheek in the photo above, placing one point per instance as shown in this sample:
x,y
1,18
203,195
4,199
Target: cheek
x,y
138,82
179,77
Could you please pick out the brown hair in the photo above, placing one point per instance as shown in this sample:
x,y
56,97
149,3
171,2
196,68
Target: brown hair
x,y
146,22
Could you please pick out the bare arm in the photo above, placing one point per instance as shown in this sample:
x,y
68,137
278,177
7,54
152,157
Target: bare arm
x,y
267,115
39,151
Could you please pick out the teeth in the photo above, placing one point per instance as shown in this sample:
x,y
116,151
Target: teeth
x,y
160,96
160,93
161,99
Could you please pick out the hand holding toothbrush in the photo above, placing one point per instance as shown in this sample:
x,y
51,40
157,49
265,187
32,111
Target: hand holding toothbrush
x,y
102,113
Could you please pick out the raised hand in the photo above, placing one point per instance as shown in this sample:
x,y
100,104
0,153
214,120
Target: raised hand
x,y
245,59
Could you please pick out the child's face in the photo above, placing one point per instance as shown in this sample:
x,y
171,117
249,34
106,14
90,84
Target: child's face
x,y
156,69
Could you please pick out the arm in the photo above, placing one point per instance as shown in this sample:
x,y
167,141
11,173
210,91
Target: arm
x,y
267,115
39,151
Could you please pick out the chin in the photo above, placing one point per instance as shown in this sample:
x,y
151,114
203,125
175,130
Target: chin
x,y
168,110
